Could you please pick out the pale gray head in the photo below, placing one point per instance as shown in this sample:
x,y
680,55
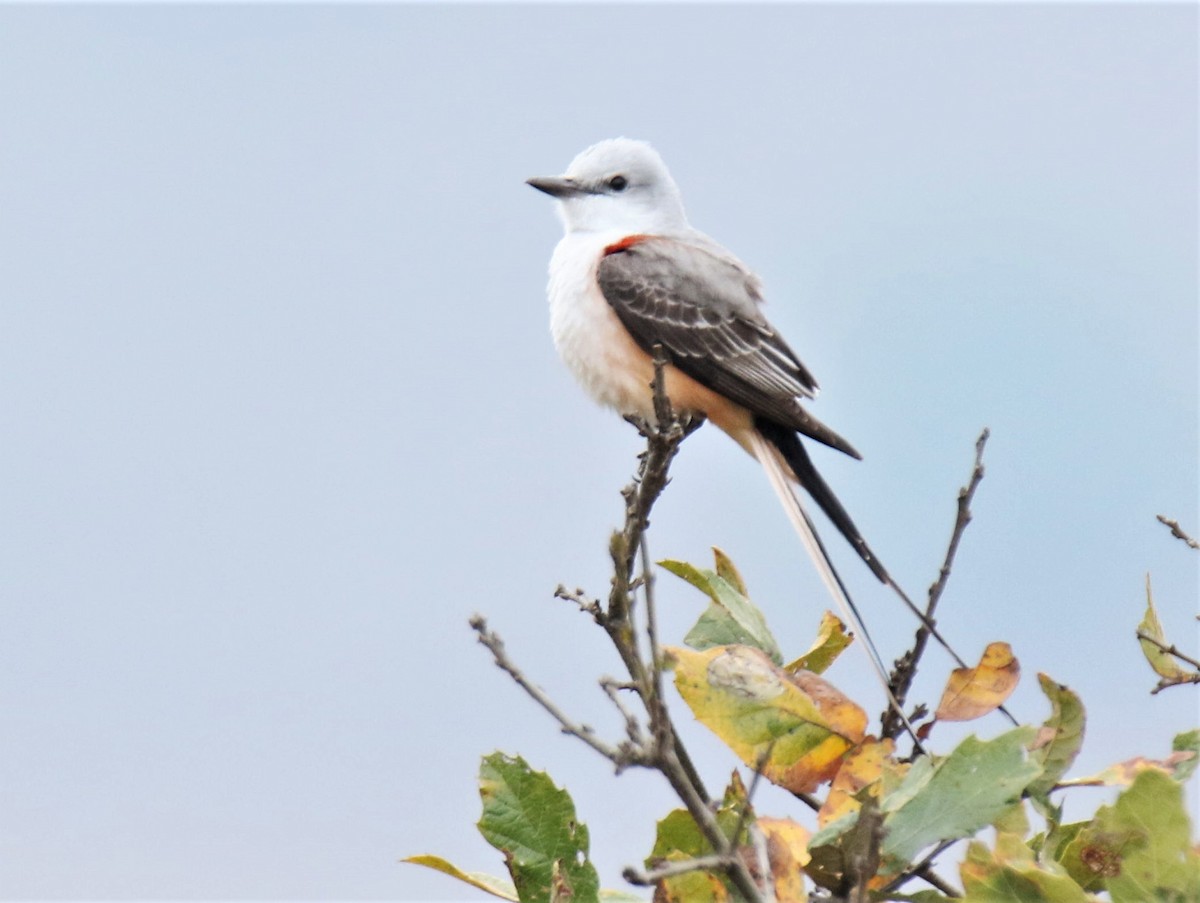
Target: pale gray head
x,y
619,184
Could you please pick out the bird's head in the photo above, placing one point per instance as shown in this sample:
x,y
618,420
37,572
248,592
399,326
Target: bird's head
x,y
618,184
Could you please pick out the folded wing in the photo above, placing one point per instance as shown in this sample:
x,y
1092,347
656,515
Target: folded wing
x,y
704,310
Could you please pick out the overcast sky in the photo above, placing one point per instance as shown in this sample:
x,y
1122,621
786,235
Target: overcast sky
x,y
281,409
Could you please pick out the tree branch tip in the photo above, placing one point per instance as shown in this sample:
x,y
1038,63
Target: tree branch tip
x,y
1177,531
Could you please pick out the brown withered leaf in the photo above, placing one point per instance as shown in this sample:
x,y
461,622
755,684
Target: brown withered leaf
x,y
972,692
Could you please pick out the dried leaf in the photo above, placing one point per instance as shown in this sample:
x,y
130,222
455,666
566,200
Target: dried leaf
x,y
972,692
1179,765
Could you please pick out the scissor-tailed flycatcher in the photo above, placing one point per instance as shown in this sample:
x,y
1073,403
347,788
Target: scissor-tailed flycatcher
x,y
631,273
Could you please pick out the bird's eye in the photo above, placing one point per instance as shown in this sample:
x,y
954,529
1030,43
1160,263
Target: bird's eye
x,y
618,183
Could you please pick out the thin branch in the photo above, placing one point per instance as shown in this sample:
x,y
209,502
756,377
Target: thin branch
x,y
1182,680
674,869
633,728
651,619
906,666
667,754
1169,649
744,816
586,603
1177,531
924,871
621,757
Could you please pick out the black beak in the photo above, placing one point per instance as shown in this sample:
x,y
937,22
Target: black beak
x,y
557,186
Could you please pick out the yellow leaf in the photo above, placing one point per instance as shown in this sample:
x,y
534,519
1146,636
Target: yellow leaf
x,y
787,854
861,768
725,567
832,638
755,706
1123,773
1163,663
497,887
972,692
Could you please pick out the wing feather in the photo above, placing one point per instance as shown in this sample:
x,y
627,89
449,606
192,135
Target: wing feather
x,y
704,310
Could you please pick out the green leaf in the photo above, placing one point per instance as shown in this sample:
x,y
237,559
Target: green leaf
x,y
958,795
678,838
731,618
533,824
497,887
1060,738
1011,874
1013,820
1157,863
1184,743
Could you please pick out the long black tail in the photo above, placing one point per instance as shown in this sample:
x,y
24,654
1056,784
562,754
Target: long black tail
x,y
796,455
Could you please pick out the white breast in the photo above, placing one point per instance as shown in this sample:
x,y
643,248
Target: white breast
x,y
588,335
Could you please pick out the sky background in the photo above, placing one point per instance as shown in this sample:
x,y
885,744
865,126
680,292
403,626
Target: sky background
x,y
281,409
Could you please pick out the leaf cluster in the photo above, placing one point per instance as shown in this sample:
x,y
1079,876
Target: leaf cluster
x,y
881,818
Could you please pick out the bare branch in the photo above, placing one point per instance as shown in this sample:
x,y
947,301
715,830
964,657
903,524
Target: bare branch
x,y
924,871
586,603
622,757
744,816
675,869
906,666
1180,681
1171,649
1177,531
633,728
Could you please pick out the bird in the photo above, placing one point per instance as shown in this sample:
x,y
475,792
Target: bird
x,y
629,274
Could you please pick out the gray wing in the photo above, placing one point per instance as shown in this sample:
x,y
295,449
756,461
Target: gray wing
x,y
703,309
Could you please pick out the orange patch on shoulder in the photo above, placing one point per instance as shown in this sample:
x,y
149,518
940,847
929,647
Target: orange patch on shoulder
x,y
624,244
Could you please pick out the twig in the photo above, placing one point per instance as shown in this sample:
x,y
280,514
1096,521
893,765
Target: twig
x,y
675,869
1171,649
586,603
622,757
1180,681
906,666
1177,531
924,871
744,816
651,619
727,861
633,728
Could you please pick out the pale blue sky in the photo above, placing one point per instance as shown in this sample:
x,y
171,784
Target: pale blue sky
x,y
281,409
